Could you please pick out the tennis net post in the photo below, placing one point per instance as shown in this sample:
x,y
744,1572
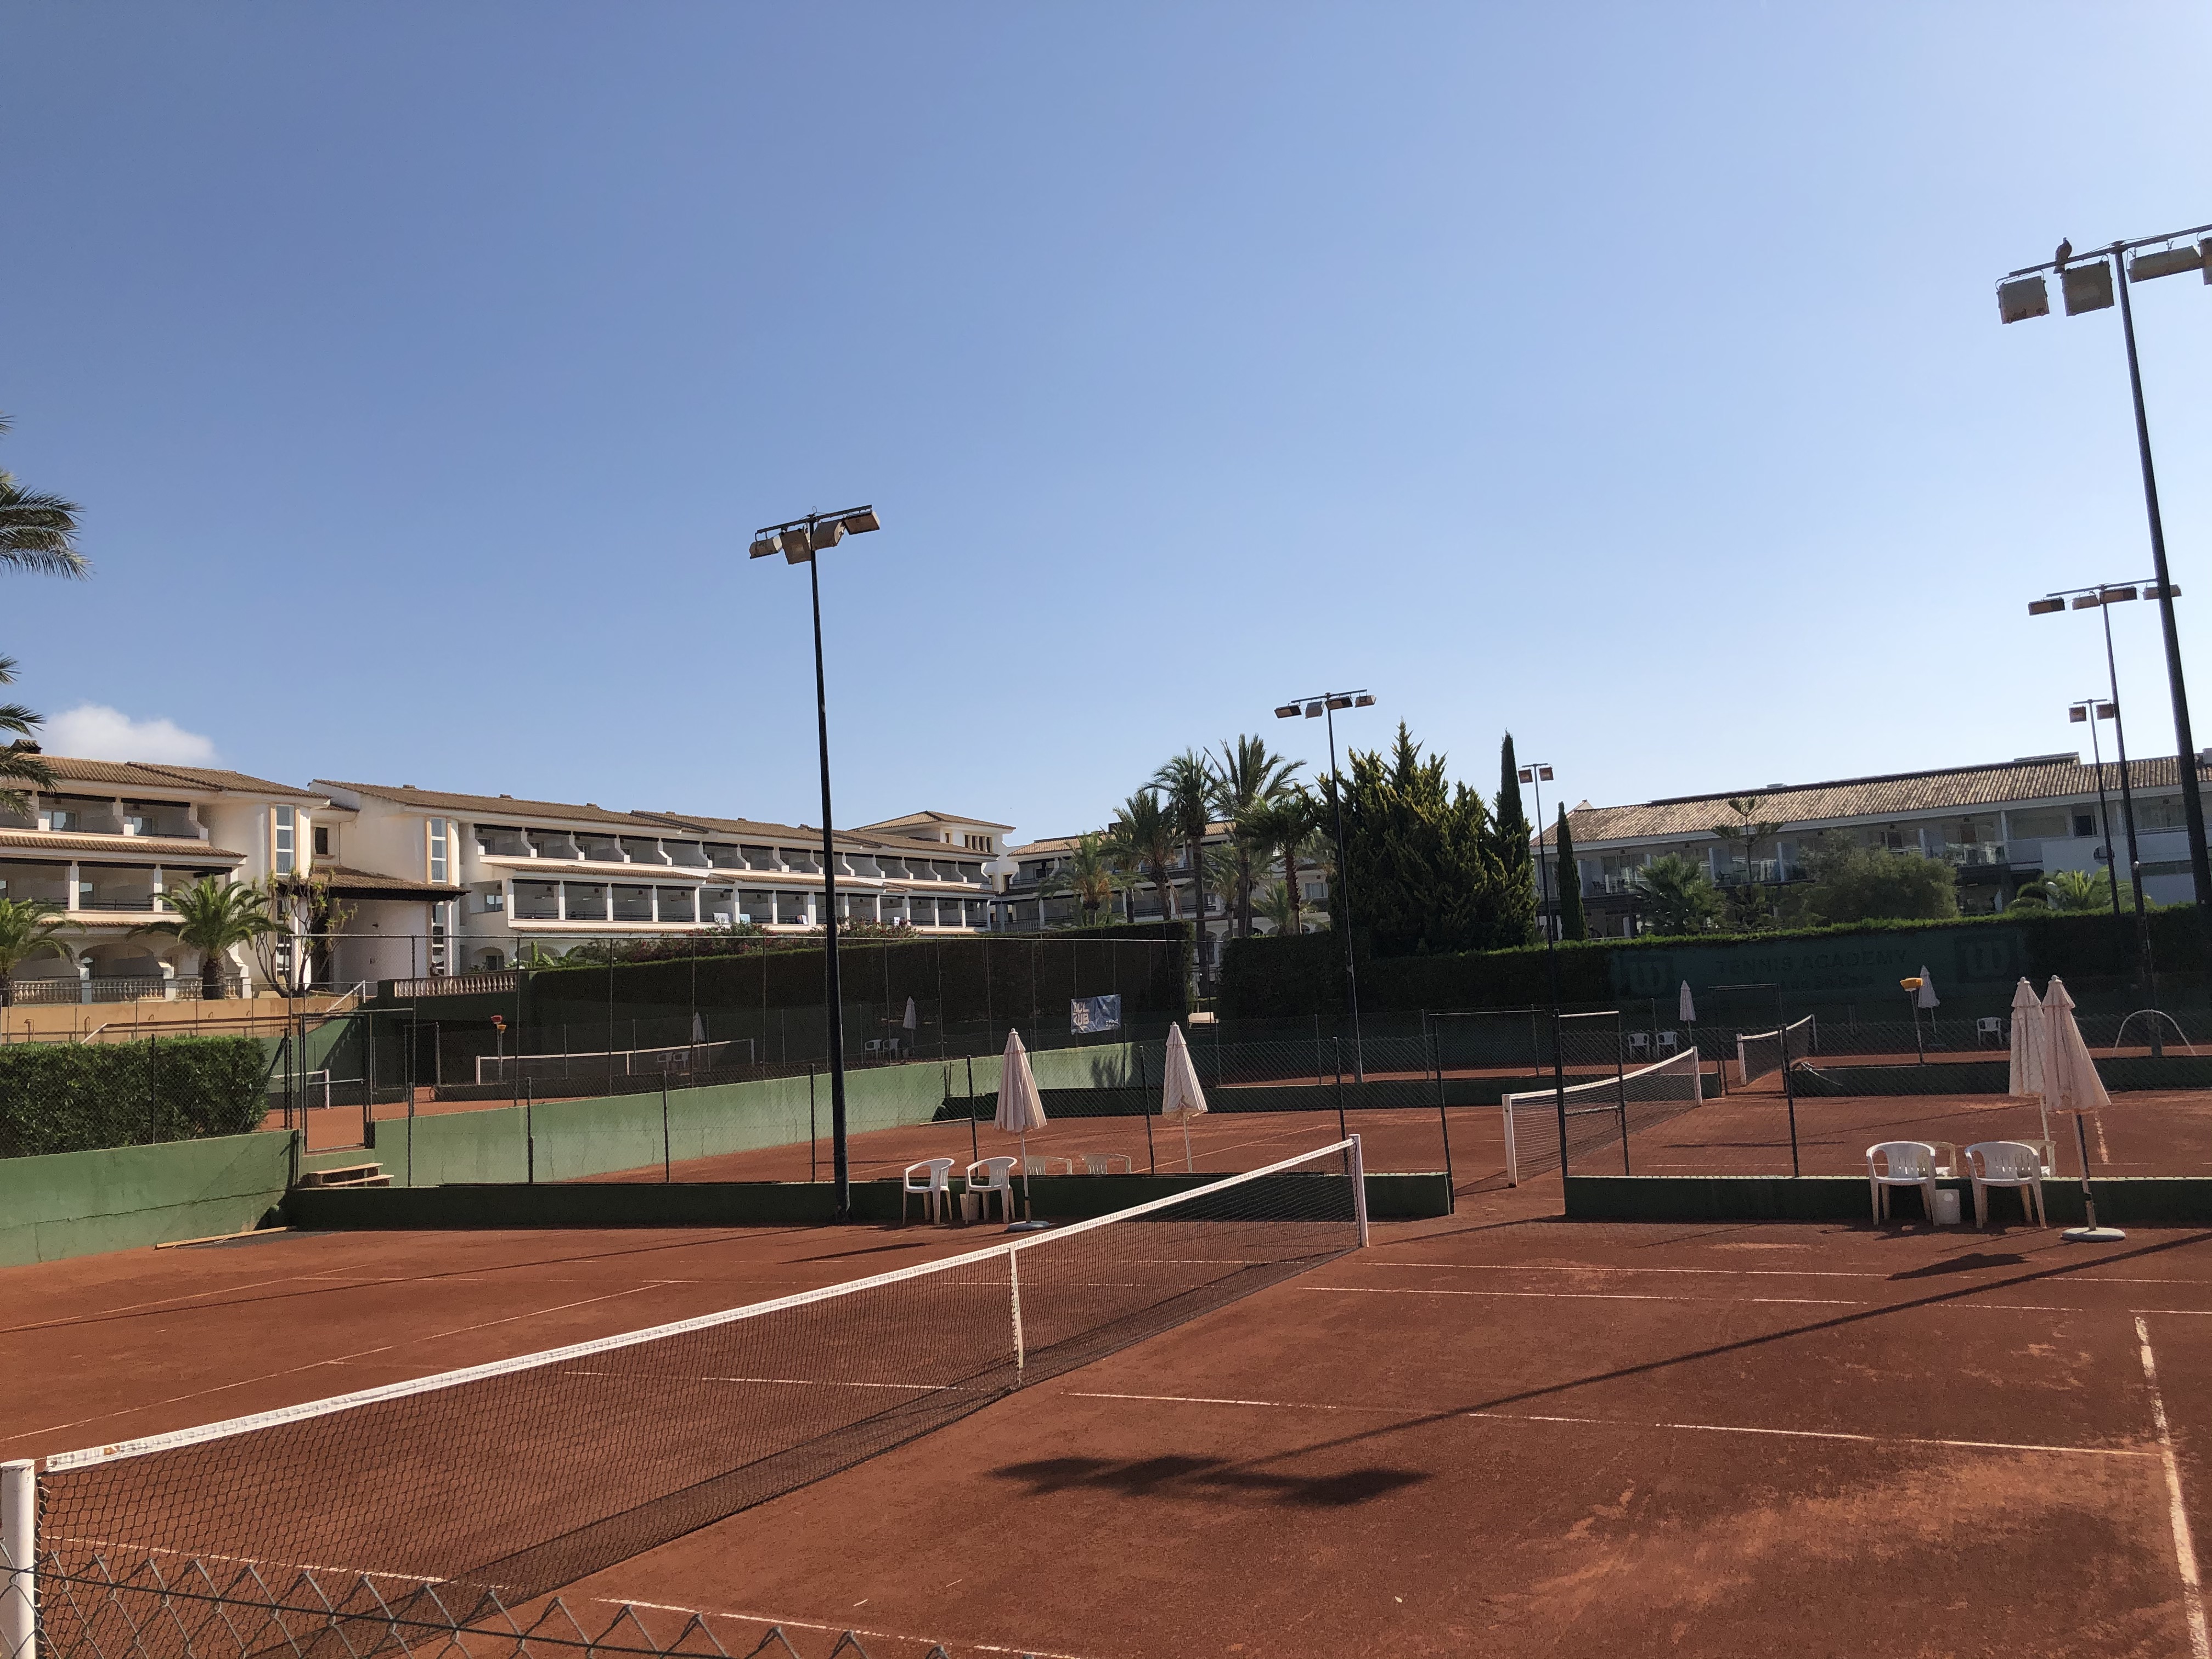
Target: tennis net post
x,y
19,1558
1359,1190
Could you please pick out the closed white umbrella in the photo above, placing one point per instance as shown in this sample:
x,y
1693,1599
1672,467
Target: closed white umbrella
x,y
1926,997
2027,1047
1021,1105
1685,1010
1181,1098
2071,1084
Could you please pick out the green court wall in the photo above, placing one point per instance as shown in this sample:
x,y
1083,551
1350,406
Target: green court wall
x,y
121,1198
579,1138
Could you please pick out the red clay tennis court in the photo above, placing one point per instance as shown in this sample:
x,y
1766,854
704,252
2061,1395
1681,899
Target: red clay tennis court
x,y
1497,1433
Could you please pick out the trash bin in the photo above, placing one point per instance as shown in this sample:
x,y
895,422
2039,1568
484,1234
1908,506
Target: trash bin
x,y
1947,1206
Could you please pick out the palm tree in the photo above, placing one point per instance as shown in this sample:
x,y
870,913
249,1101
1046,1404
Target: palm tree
x,y
1277,905
2072,890
37,533
1682,897
1143,839
1188,782
26,927
19,759
1249,778
1088,872
213,916
1283,828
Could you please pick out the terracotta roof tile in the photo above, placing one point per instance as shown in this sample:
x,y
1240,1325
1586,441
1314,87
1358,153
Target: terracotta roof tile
x,y
1958,788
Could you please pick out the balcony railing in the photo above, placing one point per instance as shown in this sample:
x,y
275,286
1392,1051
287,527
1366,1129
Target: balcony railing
x,y
185,987
1974,854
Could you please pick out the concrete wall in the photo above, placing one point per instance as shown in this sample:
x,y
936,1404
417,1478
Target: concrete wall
x,y
129,1197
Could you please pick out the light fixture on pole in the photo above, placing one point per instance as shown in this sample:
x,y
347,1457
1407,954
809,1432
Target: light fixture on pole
x,y
2100,598
1324,707
1538,774
2078,713
2090,284
798,541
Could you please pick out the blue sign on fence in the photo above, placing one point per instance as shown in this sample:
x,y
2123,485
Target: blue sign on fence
x,y
1095,1014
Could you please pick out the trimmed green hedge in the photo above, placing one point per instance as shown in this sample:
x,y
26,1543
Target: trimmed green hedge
x,y
1276,977
78,1097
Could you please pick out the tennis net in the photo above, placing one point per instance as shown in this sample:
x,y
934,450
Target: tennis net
x,y
1758,1053
1611,1109
521,1476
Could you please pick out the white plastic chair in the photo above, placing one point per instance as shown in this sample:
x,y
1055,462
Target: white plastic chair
x,y
2007,1164
1103,1162
936,1186
1639,1045
1990,1031
1670,1042
1904,1164
1038,1164
998,1178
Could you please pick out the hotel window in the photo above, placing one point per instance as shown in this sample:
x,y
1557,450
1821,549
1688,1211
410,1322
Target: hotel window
x,y
322,841
288,831
978,843
441,841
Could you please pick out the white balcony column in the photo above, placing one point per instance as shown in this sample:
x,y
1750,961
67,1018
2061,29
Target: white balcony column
x,y
71,899
561,901
652,902
608,915
153,899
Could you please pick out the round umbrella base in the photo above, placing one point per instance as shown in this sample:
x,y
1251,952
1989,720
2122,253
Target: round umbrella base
x,y
1029,1226
2092,1235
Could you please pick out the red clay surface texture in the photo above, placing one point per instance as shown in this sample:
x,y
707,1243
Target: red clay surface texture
x,y
1493,1434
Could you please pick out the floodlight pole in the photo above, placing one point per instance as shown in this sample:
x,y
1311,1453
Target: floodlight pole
x,y
2192,799
2104,806
1535,773
832,987
1327,702
2127,815
799,541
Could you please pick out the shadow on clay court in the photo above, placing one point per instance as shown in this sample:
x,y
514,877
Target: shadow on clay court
x,y
1206,1479
1840,1322
1962,1264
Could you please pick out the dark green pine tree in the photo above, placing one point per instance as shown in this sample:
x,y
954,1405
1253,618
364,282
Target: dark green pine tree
x,y
1572,923
1510,845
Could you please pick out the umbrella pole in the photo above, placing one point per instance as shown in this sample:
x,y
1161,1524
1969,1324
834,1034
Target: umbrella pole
x,y
1025,1175
1188,1166
2092,1234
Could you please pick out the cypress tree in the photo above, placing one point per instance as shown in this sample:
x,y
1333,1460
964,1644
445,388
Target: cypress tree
x,y
1572,923
1508,845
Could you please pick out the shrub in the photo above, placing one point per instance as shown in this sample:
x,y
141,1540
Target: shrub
x,y
75,1096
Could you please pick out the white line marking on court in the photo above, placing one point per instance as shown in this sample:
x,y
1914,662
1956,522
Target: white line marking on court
x,y
1627,1423
318,1364
2184,1547
2196,1312
795,1381
808,1624
1579,1268
1566,1296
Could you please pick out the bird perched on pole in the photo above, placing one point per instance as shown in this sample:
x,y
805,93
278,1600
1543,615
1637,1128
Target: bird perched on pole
x,y
2065,251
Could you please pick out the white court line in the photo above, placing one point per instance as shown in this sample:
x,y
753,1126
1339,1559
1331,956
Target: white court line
x,y
806,1624
1578,1268
2184,1547
1627,1423
795,1381
1578,1296
334,1359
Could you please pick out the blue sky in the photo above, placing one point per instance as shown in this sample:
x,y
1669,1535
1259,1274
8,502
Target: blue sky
x,y
1626,376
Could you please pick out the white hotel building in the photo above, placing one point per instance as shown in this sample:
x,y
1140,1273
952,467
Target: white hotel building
x,y
436,883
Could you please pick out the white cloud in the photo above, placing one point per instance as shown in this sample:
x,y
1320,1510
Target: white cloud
x,y
93,731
